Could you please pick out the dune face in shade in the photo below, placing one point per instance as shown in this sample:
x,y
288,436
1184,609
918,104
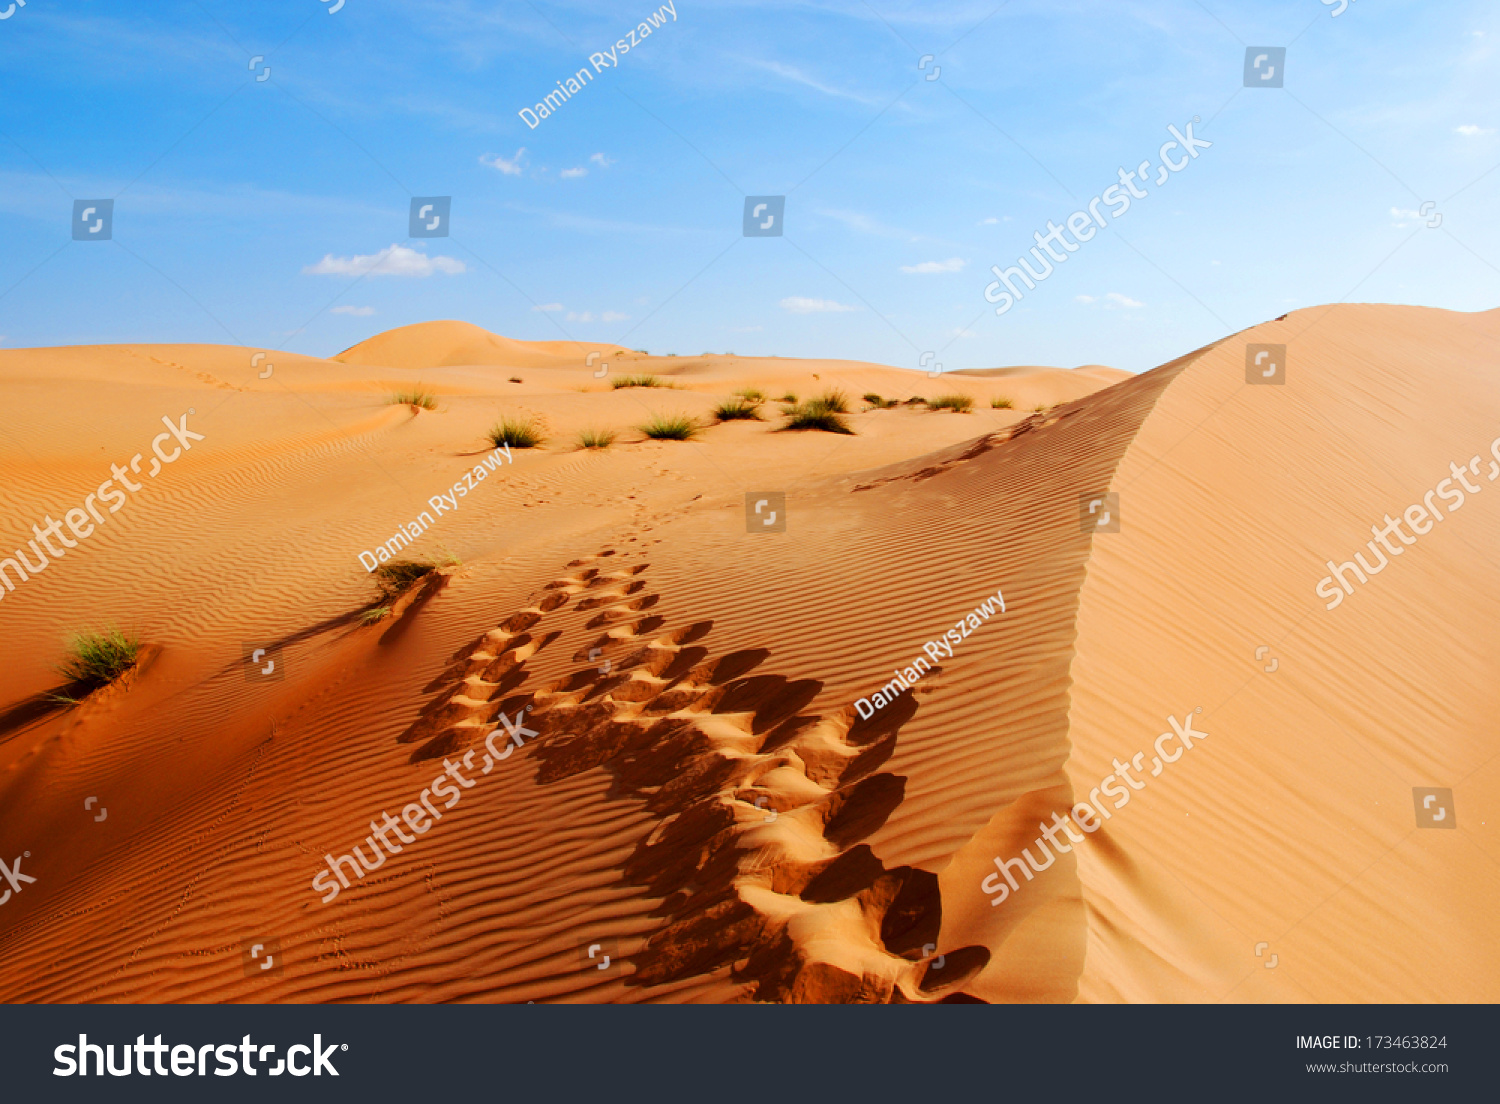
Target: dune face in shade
x,y
703,794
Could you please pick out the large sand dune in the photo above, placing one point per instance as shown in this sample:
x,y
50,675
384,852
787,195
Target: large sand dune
x,y
703,800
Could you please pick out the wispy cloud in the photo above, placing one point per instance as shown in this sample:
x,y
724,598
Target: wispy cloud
x,y
613,316
926,268
573,174
600,160
797,304
394,260
797,76
1469,130
512,167
1111,299
358,312
548,307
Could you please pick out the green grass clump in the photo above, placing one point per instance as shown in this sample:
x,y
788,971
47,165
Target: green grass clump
x,y
374,616
596,438
414,396
1001,404
737,409
822,413
397,577
671,427
635,381
959,404
789,397
750,394
1040,408
97,659
916,400
516,433
878,403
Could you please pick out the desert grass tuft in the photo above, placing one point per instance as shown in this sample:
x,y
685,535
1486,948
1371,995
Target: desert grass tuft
x,y
515,432
1001,404
751,394
671,427
822,413
374,616
737,410
414,396
959,404
636,381
97,659
596,438
398,576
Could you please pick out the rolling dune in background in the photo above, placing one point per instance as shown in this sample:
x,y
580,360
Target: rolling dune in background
x,y
702,799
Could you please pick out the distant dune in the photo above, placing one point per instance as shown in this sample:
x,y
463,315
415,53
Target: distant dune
x,y
703,790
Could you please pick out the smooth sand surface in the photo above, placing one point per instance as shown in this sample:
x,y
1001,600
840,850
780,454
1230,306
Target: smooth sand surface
x,y
702,800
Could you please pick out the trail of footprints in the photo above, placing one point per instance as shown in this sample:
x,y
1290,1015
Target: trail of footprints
x,y
756,853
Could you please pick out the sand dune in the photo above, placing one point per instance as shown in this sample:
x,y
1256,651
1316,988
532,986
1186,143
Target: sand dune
x,y
696,792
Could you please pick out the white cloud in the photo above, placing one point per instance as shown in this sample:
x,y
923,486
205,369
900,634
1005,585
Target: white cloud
x,y
787,72
573,174
613,316
1469,130
600,160
394,260
512,167
797,304
952,264
1111,299
574,316
991,221
547,307
358,312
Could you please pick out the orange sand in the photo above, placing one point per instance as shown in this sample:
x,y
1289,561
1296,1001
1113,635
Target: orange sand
x,y
642,814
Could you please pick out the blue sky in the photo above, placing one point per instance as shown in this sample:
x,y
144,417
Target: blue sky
x,y
241,205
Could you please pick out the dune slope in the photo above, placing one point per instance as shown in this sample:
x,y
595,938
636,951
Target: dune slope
x,y
661,726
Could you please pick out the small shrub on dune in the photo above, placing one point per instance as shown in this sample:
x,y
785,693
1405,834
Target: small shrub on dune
x,y
1001,404
374,616
789,397
750,394
97,659
878,403
398,576
737,410
834,401
515,432
671,427
959,404
916,400
635,381
822,413
1040,408
414,396
596,438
